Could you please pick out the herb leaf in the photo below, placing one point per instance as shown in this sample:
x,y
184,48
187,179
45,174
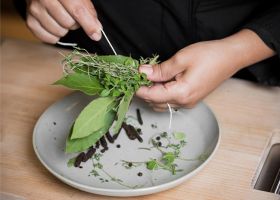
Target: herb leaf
x,y
152,164
168,158
81,144
179,135
93,117
123,108
82,82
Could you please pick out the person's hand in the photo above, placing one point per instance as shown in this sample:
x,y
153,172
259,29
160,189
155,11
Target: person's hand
x,y
193,72
50,20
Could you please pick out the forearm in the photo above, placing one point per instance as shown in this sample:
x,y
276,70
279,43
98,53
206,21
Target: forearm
x,y
246,48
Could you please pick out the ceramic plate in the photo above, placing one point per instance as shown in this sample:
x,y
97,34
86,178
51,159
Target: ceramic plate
x,y
200,143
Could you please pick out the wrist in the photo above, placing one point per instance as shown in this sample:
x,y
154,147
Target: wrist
x,y
246,48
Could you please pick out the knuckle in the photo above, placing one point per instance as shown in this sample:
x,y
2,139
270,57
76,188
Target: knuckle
x,y
30,22
161,71
62,32
34,8
184,96
68,23
177,59
78,11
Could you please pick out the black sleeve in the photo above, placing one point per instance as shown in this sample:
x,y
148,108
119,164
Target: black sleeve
x,y
21,8
266,23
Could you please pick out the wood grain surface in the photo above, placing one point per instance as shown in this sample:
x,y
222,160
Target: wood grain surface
x,y
247,113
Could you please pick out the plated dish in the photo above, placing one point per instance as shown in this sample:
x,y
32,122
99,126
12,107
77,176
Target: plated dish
x,y
123,169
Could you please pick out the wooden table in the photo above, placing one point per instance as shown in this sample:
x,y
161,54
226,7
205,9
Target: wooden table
x,y
246,112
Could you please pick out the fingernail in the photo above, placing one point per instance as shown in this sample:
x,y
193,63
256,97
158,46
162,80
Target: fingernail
x,y
96,36
99,24
146,69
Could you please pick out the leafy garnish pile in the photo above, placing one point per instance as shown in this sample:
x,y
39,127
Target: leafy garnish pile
x,y
114,79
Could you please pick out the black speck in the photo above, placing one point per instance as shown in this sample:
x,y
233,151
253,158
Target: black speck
x,y
103,150
80,166
153,125
175,109
159,144
54,123
158,138
106,180
140,174
130,164
118,146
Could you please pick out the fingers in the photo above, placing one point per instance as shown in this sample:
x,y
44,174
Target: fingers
x,y
39,31
46,21
167,70
62,17
51,20
84,13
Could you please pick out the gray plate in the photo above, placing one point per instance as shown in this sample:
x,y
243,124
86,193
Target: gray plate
x,y
199,125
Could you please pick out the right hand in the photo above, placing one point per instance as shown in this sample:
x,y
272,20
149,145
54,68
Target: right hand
x,y
49,20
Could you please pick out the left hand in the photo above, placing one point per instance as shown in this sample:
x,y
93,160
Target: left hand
x,y
196,70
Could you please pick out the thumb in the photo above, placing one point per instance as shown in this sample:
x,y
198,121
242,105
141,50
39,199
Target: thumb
x,y
164,71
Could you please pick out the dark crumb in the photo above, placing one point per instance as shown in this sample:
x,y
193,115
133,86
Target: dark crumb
x,y
80,166
153,125
158,138
140,174
130,164
54,123
159,144
109,137
97,144
103,150
89,154
103,142
79,159
139,117
175,109
139,131
118,146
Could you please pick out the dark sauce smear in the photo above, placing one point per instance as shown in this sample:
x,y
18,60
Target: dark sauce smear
x,y
109,137
79,159
139,117
103,142
97,144
131,132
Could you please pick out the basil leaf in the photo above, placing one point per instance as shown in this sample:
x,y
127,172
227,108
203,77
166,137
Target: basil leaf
x,y
122,110
82,82
81,144
92,117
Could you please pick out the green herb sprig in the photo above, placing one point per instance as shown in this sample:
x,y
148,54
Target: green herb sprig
x,y
114,79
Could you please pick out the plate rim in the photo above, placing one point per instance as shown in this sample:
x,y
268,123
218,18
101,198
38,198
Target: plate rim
x,y
128,192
